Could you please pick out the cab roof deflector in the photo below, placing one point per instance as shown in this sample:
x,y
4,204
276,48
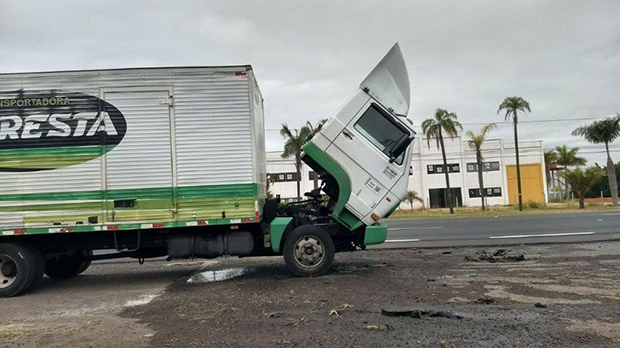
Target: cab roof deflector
x,y
388,82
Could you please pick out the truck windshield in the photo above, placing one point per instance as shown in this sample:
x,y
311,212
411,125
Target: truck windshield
x,y
380,129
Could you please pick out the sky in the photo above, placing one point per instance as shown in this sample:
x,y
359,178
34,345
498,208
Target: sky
x,y
309,56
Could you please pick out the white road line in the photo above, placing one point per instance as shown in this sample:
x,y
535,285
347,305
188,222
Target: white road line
x,y
415,228
542,235
612,214
401,240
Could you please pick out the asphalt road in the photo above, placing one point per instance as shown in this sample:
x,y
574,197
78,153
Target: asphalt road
x,y
504,230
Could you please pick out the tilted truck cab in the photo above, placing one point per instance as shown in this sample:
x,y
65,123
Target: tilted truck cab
x,y
369,142
171,162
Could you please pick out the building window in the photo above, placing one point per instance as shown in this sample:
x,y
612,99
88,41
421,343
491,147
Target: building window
x,y
438,168
490,192
282,177
487,167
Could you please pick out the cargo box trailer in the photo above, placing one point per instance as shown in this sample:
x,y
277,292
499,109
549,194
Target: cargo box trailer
x,y
153,162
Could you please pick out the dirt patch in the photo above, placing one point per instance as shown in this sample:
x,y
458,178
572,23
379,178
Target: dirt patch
x,y
499,304
605,329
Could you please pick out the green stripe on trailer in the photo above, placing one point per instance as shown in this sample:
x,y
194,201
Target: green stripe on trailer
x,y
122,227
210,191
49,157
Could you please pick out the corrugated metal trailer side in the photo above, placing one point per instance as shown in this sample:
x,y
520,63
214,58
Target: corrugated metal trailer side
x,y
130,149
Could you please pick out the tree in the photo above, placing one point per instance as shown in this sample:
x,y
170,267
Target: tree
x,y
513,106
295,140
476,141
313,131
568,157
411,197
604,132
551,158
580,181
434,127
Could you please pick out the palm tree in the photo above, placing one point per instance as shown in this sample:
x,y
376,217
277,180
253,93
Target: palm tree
x,y
581,181
434,127
475,142
513,106
313,131
413,196
604,132
568,157
551,158
295,140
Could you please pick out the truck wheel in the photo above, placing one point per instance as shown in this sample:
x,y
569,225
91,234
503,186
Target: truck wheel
x,y
40,261
308,251
86,264
18,269
66,266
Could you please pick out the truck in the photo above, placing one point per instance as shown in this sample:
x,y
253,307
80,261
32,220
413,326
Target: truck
x,y
170,162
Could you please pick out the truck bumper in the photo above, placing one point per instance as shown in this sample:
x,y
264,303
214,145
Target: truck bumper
x,y
375,235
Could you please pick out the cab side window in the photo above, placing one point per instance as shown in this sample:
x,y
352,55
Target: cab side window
x,y
382,132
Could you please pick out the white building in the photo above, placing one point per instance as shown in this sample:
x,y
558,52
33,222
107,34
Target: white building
x,y
283,176
499,176
428,180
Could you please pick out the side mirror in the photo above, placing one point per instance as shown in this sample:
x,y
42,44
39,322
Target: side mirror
x,y
401,145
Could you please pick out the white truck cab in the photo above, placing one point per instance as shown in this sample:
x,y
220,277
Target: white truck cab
x,y
364,151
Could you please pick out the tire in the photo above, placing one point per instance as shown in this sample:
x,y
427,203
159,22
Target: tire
x,y
86,264
66,266
18,269
40,261
308,251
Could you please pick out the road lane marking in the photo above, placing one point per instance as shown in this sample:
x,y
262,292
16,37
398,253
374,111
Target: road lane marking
x,y
611,214
415,228
401,240
542,235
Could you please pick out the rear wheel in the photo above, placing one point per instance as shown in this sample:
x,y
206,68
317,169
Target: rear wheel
x,y
67,266
40,263
309,251
18,269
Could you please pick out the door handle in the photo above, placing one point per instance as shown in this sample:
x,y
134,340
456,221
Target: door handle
x,y
347,134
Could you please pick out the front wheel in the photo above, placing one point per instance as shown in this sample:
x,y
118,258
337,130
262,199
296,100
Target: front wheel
x,y
309,251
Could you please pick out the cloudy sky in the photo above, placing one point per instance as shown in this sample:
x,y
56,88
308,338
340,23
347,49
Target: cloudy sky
x,y
309,56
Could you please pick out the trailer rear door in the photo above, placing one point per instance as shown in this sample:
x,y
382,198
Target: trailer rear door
x,y
139,171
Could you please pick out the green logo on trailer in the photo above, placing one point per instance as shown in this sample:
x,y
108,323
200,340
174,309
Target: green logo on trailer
x,y
44,130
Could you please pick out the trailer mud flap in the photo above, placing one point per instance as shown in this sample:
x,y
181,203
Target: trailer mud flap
x,y
277,228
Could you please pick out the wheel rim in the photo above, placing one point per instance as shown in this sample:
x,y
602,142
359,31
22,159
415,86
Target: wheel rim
x,y
8,271
309,252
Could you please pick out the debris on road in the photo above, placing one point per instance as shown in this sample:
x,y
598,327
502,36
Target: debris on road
x,y
397,311
500,255
298,323
540,305
434,314
337,312
486,300
403,311
272,315
380,327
